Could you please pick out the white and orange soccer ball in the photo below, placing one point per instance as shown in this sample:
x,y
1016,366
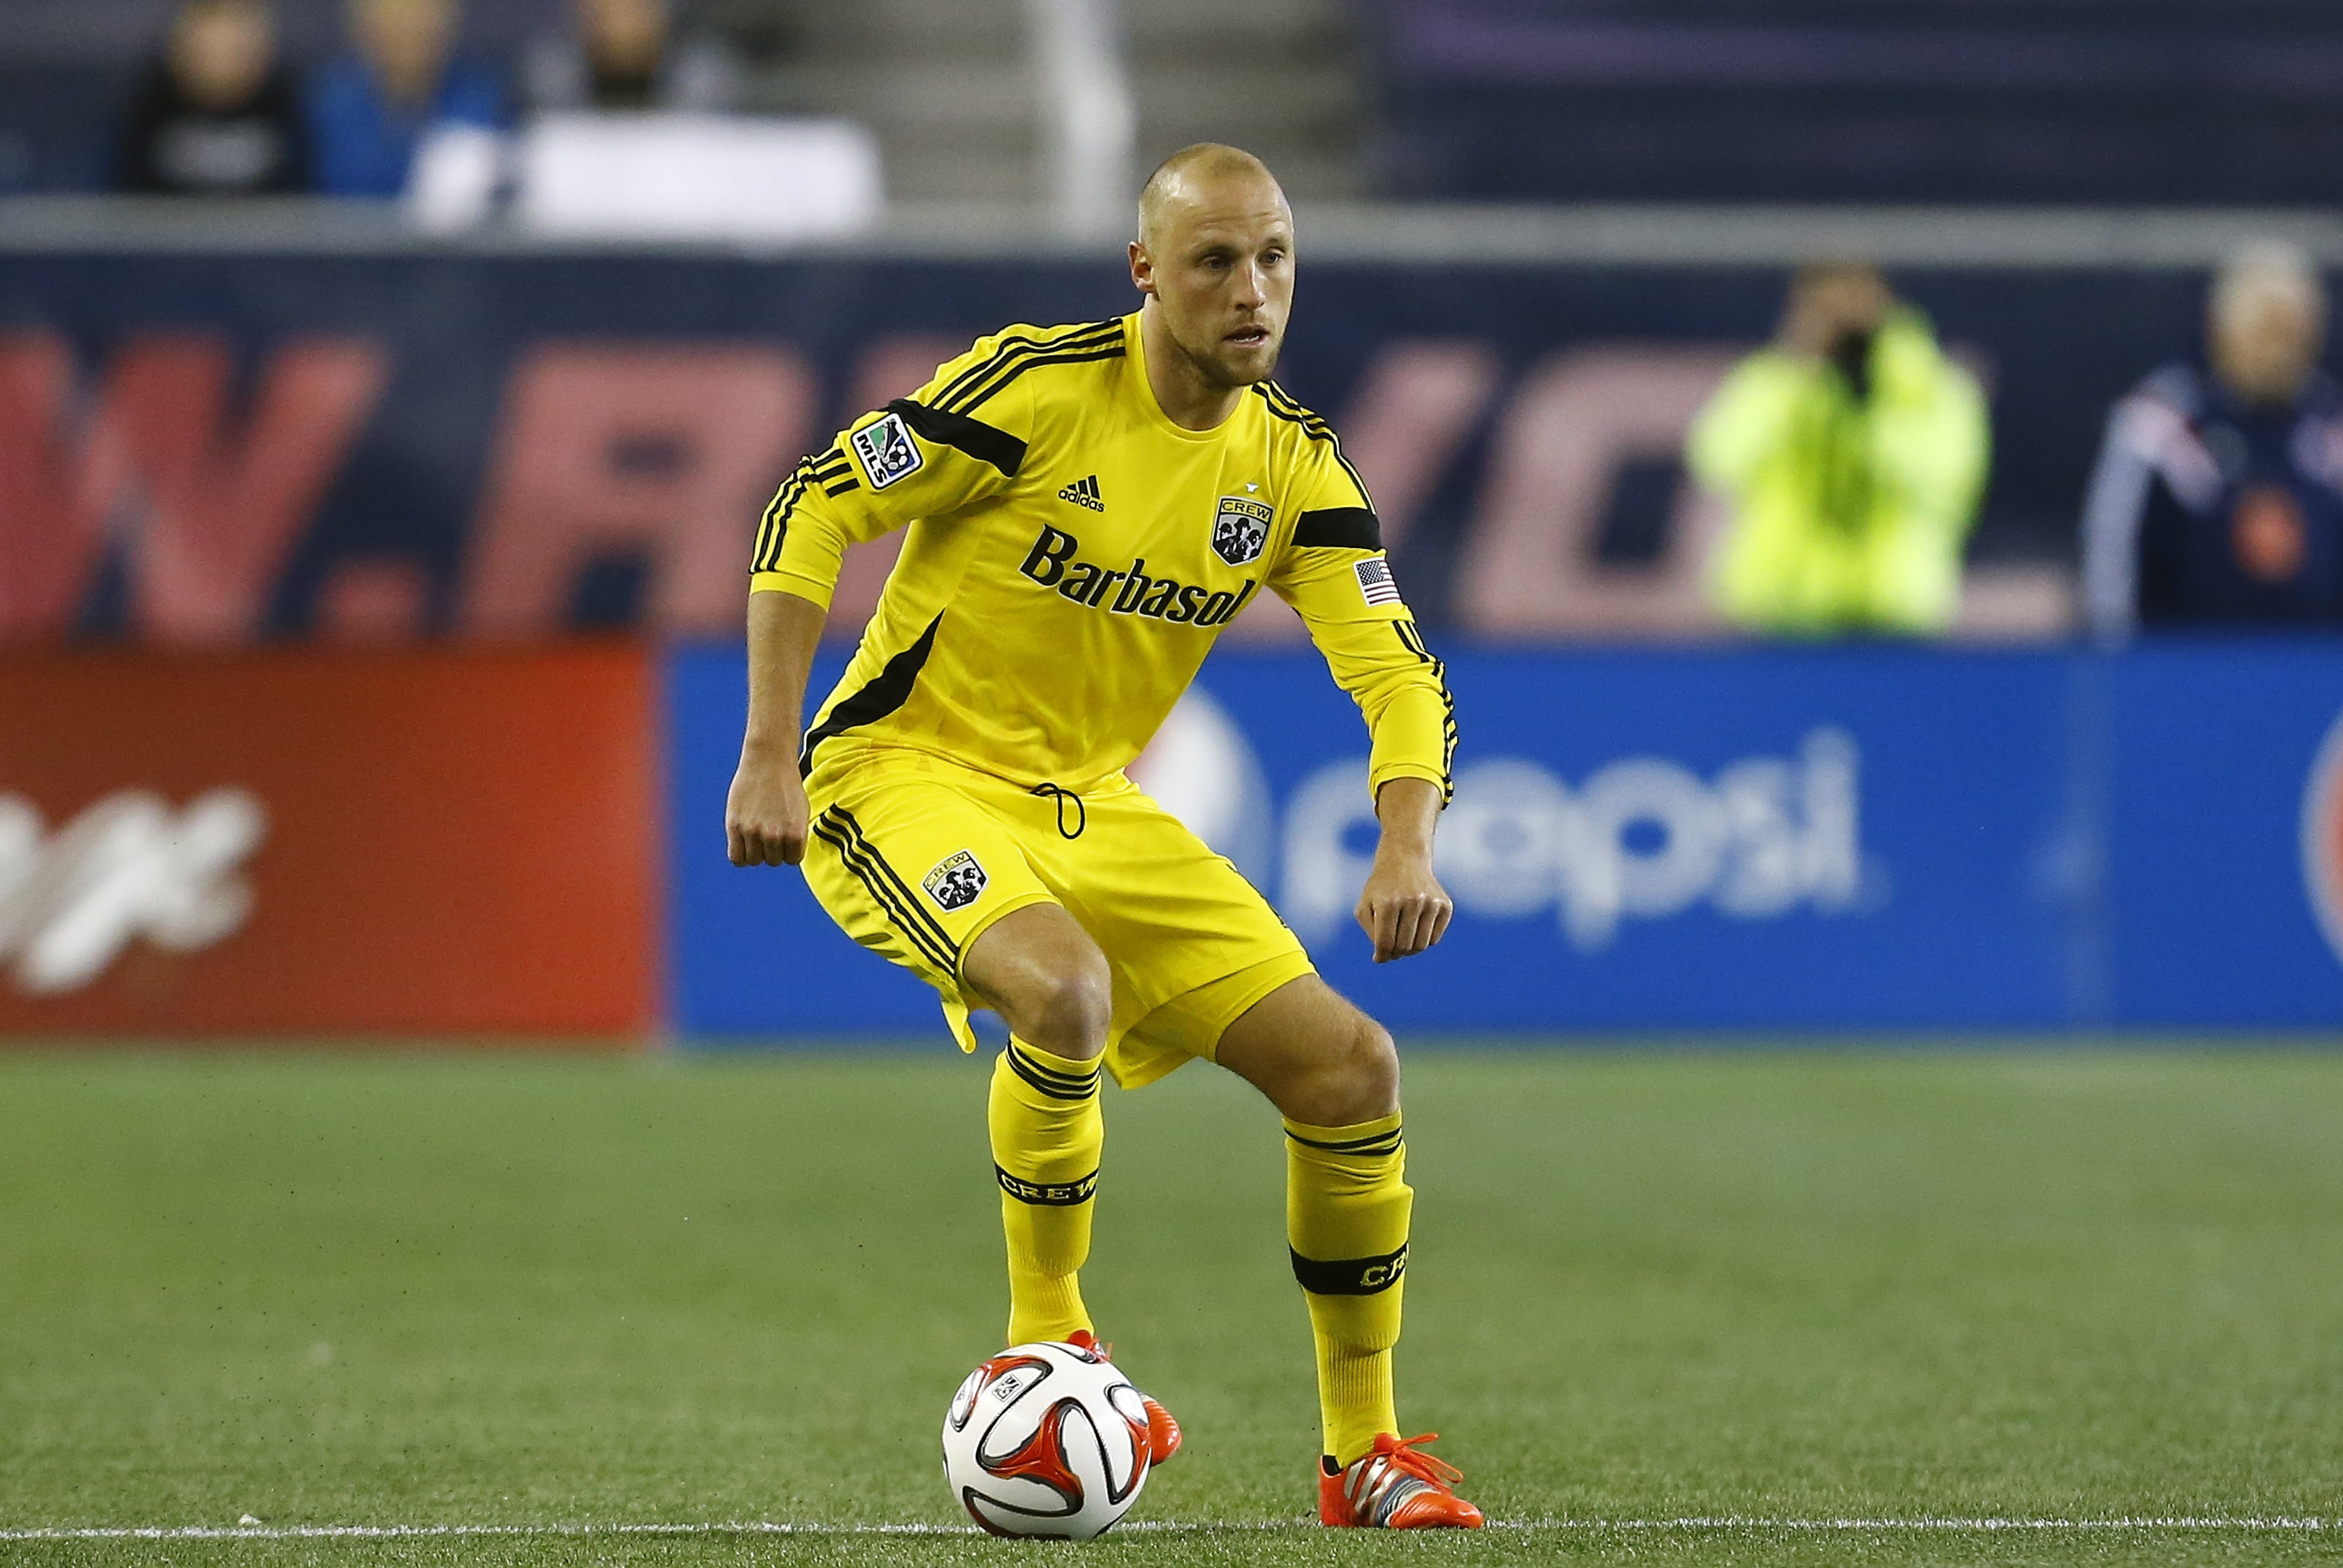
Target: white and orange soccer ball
x,y
1046,1439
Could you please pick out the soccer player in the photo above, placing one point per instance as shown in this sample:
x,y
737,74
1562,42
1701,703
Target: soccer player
x,y
1088,506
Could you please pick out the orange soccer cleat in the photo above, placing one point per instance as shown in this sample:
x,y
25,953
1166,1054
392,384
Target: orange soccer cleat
x,y
1395,1487
1162,1432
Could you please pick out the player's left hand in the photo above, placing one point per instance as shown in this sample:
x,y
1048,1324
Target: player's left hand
x,y
1404,909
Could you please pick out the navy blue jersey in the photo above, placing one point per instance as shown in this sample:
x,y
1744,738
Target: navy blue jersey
x,y
2207,510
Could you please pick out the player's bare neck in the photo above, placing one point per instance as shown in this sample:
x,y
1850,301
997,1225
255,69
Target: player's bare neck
x,y
1189,397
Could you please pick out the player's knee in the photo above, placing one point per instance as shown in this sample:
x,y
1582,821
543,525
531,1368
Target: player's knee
x,y
1371,1070
1070,1008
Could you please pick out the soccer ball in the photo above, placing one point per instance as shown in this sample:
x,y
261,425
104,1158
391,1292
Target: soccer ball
x,y
1046,1439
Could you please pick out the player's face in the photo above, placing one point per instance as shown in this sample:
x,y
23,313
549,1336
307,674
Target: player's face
x,y
1223,275
2265,342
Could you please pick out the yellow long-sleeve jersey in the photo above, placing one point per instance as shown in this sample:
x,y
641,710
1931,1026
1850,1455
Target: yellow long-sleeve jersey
x,y
1073,554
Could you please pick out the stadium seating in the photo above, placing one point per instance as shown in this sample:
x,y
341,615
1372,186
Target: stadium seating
x,y
1862,100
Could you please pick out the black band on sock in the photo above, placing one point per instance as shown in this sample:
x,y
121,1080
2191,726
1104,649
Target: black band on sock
x,y
1052,1194
1055,1084
1351,1276
1373,1143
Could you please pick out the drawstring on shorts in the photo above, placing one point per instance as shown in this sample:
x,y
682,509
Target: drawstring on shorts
x,y
1061,795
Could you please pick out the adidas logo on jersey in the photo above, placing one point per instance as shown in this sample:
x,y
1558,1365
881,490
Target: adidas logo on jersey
x,y
1051,564
1084,492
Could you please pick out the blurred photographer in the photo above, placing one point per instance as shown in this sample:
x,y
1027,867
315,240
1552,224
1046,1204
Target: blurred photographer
x,y
217,114
2216,499
1852,453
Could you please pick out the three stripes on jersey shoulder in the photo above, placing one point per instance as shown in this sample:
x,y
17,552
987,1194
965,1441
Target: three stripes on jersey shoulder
x,y
1282,405
1015,353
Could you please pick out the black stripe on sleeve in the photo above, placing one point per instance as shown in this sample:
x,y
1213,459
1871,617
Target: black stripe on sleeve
x,y
1412,640
1351,1276
880,696
974,436
774,525
824,468
1339,528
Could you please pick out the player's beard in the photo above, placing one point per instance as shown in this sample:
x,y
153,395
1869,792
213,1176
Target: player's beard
x,y
1232,368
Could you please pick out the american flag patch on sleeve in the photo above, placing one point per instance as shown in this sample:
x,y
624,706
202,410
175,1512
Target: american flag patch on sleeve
x,y
1375,585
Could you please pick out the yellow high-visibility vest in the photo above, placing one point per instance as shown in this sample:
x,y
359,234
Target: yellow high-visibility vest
x,y
1848,513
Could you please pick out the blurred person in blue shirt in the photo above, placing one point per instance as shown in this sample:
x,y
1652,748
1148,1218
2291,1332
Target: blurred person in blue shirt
x,y
368,110
624,56
2218,495
217,114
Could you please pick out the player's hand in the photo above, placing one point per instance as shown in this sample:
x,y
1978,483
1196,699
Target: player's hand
x,y
765,813
1404,909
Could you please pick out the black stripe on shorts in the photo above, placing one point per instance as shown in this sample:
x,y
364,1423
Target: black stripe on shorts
x,y
837,828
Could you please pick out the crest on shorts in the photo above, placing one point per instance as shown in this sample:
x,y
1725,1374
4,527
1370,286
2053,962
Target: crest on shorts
x,y
1239,529
886,450
955,882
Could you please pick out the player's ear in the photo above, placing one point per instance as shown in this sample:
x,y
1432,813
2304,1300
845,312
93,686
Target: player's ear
x,y
1143,269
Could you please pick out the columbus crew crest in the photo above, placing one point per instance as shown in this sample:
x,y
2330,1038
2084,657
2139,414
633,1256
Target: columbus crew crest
x,y
1239,529
955,883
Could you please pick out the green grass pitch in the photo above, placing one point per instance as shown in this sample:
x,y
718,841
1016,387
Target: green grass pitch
x,y
1649,1289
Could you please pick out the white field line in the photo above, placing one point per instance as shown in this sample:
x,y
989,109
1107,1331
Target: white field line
x,y
2138,1525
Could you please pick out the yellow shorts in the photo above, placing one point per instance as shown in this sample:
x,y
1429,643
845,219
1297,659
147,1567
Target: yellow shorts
x,y
914,856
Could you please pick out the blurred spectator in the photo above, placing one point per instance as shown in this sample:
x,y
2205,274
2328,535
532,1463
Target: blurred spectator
x,y
623,57
217,114
368,110
2216,498
1852,453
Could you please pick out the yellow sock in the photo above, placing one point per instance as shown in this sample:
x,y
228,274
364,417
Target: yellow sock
x,y
1346,1212
1046,1136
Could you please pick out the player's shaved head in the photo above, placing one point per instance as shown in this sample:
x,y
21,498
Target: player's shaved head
x,y
1192,178
1215,257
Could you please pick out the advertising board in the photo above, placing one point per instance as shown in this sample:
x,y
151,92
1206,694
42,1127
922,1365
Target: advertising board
x,y
1839,840
1638,841
452,843
197,449
2222,903
344,843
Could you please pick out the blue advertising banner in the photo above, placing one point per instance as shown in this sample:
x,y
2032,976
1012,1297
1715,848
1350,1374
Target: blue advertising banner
x,y
1752,840
1685,839
2224,893
1760,839
749,950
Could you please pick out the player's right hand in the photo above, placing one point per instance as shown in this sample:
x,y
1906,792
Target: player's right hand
x,y
765,815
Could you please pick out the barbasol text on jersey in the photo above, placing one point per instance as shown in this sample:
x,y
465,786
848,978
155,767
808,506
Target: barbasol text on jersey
x,y
1053,564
